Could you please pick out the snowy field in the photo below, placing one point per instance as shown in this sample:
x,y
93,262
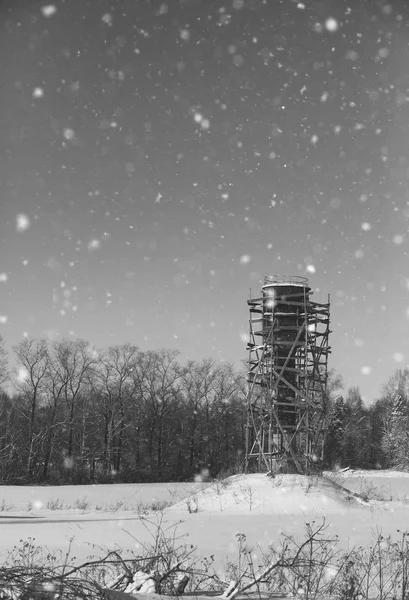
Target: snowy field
x,y
260,507
102,498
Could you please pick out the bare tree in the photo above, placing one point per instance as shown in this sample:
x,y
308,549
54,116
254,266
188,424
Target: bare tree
x,y
33,358
55,383
198,380
230,415
115,385
4,370
74,361
157,379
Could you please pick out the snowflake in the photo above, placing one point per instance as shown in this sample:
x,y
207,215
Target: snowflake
x,y
398,357
22,222
245,259
331,24
49,10
68,134
94,244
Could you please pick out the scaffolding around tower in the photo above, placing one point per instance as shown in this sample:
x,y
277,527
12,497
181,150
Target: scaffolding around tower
x,y
287,377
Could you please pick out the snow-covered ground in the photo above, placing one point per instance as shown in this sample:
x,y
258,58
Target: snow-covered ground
x,y
128,496
257,493
256,505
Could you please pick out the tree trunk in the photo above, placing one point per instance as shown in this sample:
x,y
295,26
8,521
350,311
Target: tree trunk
x,y
50,442
159,454
192,446
70,449
47,456
105,452
150,448
118,453
31,436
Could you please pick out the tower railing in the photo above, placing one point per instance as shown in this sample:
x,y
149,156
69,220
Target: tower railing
x,y
294,279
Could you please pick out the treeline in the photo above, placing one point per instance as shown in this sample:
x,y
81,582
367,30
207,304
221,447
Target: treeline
x,y
372,437
79,415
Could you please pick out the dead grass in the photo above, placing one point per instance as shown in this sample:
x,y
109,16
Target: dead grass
x,y
310,569
82,504
5,506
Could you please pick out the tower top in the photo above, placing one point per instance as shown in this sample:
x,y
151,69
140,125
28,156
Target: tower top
x,y
278,280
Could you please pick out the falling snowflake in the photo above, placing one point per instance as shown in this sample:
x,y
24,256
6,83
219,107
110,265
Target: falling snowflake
x,y
398,357
3,319
398,239
331,24
3,277
245,259
352,55
22,222
38,92
68,134
68,462
94,244
238,60
107,19
366,370
163,9
310,269
366,226
49,10
383,52
22,374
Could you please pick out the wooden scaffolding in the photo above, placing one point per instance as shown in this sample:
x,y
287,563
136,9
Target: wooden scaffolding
x,y
287,377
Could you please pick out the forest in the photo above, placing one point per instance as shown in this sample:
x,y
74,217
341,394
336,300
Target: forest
x,y
72,414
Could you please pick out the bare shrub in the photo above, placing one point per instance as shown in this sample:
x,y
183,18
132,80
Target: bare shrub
x,y
311,569
4,506
81,504
192,504
55,504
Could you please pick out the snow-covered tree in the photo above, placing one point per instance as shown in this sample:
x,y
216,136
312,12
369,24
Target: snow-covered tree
x,y
395,438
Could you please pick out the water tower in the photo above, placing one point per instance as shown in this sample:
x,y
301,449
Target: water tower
x,y
287,377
